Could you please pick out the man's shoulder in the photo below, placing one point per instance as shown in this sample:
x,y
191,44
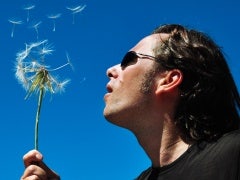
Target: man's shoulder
x,y
145,174
232,136
228,142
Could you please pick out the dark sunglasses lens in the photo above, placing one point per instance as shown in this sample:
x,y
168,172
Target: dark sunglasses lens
x,y
129,58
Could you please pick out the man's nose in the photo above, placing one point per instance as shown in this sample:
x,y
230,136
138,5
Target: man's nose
x,y
112,72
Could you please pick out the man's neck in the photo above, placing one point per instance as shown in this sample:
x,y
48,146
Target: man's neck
x,y
162,147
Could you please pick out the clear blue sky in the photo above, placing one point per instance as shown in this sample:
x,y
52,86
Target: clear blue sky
x,y
75,138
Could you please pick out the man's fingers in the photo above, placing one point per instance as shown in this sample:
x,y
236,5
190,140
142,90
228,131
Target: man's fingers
x,y
32,156
34,172
36,168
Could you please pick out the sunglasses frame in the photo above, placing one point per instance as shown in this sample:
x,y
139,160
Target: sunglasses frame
x,y
134,54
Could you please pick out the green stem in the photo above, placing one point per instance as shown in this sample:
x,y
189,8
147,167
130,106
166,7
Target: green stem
x,y
38,116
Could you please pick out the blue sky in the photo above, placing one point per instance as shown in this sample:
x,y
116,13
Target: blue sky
x,y
75,139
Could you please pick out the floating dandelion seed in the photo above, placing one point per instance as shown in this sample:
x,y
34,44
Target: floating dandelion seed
x,y
54,17
14,23
69,61
36,26
34,75
28,8
75,10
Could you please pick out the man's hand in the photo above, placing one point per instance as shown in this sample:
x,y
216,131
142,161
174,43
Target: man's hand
x,y
36,169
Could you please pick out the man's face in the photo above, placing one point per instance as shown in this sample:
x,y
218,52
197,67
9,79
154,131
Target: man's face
x,y
125,101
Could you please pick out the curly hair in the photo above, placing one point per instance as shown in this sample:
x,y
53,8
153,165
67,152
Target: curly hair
x,y
209,100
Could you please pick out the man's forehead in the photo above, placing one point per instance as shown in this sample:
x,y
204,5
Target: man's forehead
x,y
148,43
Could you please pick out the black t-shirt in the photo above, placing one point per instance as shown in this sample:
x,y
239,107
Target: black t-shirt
x,y
219,160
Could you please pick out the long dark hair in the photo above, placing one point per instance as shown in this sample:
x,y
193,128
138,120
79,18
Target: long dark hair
x,y
209,100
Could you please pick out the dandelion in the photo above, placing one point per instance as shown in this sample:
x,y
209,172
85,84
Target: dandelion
x,y
75,10
54,17
35,75
14,23
28,8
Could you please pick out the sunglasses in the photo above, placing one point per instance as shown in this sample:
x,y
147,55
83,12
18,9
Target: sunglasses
x,y
131,57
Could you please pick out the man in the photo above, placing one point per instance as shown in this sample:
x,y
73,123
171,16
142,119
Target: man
x,y
175,92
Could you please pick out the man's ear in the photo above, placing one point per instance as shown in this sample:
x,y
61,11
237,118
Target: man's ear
x,y
169,80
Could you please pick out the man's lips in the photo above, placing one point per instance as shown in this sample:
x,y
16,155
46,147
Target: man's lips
x,y
109,90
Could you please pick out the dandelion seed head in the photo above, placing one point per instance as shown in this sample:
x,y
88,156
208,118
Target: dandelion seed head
x,y
33,73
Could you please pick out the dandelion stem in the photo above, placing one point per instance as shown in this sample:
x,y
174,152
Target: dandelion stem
x,y
41,92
